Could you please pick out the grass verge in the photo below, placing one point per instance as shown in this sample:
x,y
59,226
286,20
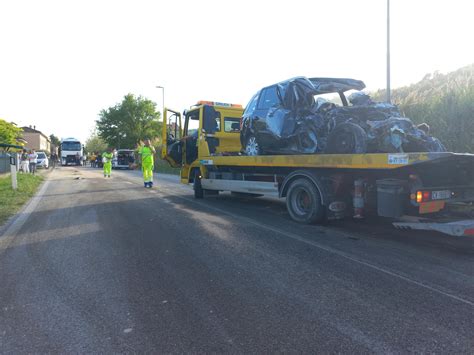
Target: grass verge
x,y
11,200
162,166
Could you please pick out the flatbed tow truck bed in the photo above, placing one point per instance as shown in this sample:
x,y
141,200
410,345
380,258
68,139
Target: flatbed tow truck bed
x,y
386,184
332,161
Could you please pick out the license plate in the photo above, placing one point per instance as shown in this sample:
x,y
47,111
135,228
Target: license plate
x,y
441,195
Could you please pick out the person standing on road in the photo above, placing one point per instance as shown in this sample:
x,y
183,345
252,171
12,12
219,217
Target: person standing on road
x,y
98,161
53,159
107,161
25,162
92,159
33,158
146,156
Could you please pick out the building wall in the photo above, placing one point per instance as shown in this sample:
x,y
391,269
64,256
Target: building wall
x,y
33,140
36,141
44,144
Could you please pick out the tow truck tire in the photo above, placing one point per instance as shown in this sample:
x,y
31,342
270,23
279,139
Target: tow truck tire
x,y
198,190
303,202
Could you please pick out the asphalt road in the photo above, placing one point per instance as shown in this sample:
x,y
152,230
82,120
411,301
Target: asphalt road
x,y
104,266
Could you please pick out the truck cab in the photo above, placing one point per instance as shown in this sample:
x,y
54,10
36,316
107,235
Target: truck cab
x,y
209,129
71,151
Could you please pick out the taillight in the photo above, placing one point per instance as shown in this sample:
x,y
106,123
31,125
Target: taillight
x,y
419,196
423,196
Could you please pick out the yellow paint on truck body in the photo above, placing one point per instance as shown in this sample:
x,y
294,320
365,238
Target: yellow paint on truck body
x,y
328,161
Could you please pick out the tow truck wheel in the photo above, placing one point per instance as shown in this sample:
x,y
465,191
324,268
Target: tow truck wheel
x,y
198,190
303,202
252,147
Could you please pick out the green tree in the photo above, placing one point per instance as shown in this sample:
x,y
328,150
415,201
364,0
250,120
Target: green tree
x,y
9,132
54,140
128,122
95,144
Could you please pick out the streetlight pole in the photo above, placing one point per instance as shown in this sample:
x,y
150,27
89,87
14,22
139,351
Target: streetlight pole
x,y
388,52
163,102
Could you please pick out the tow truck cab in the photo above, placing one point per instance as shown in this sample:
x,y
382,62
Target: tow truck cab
x,y
318,187
209,129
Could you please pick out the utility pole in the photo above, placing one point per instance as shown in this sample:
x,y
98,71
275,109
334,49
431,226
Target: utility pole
x,y
388,52
163,102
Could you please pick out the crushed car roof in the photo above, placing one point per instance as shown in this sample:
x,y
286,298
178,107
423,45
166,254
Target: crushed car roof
x,y
319,86
299,91
328,85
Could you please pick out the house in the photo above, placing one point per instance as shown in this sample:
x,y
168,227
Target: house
x,y
36,139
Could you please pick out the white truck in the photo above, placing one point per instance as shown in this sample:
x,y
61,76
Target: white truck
x,y
71,151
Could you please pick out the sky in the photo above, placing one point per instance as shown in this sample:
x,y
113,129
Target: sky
x,y
62,62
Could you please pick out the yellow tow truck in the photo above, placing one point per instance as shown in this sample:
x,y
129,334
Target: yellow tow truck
x,y
417,190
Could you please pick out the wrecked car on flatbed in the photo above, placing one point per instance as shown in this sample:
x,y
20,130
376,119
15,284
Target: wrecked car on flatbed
x,y
299,116
318,187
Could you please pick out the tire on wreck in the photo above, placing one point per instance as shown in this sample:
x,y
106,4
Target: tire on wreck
x,y
347,138
308,141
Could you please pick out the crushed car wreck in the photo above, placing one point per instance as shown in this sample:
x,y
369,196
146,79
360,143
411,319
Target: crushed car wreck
x,y
296,117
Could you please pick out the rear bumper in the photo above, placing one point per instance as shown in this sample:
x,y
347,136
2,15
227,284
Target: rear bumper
x,y
455,229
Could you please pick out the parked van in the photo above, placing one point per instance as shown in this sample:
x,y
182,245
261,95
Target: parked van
x,y
123,158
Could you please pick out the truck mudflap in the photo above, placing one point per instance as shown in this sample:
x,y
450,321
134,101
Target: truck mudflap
x,y
455,229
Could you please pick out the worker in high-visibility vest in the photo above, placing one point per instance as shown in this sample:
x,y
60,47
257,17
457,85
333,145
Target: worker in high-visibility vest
x,y
107,161
146,153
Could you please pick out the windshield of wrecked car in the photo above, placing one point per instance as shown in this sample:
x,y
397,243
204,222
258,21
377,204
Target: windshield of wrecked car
x,y
331,97
41,155
334,97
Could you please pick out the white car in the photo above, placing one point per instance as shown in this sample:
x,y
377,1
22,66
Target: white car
x,y
42,161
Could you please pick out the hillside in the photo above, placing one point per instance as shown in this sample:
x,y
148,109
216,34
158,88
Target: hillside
x,y
445,102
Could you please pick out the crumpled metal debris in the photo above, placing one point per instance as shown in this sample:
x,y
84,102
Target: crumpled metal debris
x,y
303,124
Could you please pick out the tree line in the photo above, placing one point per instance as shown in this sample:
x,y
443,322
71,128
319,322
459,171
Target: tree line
x,y
445,102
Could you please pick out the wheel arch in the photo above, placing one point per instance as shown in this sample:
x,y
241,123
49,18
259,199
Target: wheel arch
x,y
192,172
311,176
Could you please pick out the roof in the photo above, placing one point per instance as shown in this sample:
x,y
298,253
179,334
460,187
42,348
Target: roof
x,y
317,86
299,92
27,129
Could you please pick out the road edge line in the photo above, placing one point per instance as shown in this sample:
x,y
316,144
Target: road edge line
x,y
19,218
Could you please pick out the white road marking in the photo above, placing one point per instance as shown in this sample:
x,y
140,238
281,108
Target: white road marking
x,y
316,245
330,250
